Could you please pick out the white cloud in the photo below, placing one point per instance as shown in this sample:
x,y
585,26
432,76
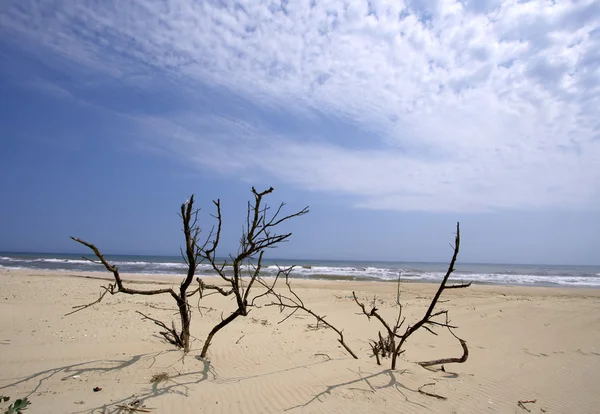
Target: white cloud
x,y
469,105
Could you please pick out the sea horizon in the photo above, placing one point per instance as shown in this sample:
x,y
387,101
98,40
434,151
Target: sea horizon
x,y
178,256
376,270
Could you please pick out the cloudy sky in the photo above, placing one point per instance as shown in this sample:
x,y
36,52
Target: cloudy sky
x,y
391,119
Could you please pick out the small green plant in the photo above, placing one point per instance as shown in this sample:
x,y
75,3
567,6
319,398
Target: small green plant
x,y
17,407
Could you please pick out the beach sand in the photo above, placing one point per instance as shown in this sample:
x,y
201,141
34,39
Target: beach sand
x,y
525,343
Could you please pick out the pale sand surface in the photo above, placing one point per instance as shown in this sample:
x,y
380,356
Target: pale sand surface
x,y
525,343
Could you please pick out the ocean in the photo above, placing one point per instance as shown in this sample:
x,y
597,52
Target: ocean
x,y
502,274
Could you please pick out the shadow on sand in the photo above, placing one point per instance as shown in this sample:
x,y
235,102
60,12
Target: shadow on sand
x,y
391,383
177,384
180,384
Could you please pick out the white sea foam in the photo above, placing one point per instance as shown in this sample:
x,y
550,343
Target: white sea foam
x,y
360,272
66,261
515,275
154,264
12,267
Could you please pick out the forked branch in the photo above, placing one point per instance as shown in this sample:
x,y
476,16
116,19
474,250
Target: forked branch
x,y
427,322
82,307
384,346
170,334
181,339
118,287
258,234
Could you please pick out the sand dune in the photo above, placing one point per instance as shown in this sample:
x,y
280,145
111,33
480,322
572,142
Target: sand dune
x,y
525,343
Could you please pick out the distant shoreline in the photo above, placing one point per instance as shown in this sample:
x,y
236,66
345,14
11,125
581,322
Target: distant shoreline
x,y
502,274
169,279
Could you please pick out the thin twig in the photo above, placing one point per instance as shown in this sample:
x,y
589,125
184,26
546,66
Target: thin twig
x,y
389,346
170,334
258,234
295,303
521,403
82,307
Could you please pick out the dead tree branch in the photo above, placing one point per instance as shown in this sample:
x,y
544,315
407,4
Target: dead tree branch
x,y
395,340
521,404
181,339
82,307
427,319
441,361
170,334
118,287
383,347
258,235
203,286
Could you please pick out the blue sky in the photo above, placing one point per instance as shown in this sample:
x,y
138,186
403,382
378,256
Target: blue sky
x,y
391,119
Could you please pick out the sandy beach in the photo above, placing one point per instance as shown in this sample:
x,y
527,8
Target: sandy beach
x,y
525,343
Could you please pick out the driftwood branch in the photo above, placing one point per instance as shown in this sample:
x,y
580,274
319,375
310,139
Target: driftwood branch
x,y
120,288
429,314
258,234
204,286
217,328
395,341
441,361
170,334
385,346
521,404
82,307
189,216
